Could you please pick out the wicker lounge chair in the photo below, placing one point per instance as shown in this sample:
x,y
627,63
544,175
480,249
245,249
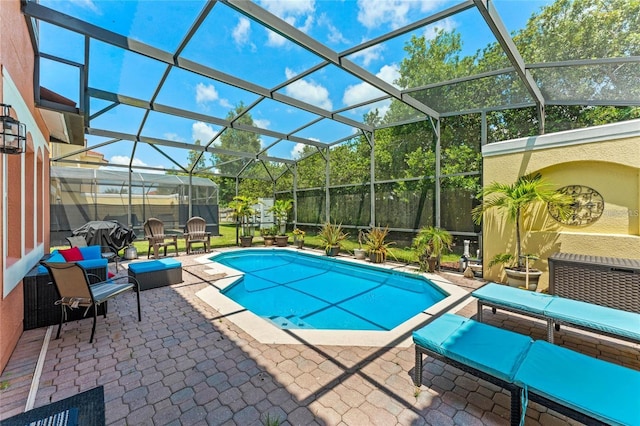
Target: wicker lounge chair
x,y
77,292
586,389
196,233
154,233
556,311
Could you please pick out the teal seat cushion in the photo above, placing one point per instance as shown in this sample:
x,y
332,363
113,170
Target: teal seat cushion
x,y
605,391
91,255
512,297
55,257
492,350
93,263
154,265
608,320
91,252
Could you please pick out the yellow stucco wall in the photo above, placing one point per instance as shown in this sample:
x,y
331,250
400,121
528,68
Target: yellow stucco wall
x,y
605,158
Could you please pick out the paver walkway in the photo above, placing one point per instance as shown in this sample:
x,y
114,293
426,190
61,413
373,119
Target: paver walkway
x,y
185,364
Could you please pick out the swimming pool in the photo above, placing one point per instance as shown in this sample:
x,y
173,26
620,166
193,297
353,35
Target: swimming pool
x,y
273,330
294,290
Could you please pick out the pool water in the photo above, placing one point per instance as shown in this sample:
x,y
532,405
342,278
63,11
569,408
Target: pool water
x,y
294,290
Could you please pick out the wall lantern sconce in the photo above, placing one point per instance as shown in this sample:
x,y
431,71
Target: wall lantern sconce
x,y
13,133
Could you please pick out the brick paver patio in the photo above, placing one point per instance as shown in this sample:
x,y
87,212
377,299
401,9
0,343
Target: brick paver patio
x,y
186,364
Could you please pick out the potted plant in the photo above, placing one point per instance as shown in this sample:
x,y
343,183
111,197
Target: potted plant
x,y
360,253
280,210
268,235
282,240
243,210
375,240
298,237
430,244
331,235
514,201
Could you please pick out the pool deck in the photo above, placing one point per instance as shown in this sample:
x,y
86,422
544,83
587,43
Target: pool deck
x,y
187,363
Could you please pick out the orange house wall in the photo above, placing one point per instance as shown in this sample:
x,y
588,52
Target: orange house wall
x,y
17,59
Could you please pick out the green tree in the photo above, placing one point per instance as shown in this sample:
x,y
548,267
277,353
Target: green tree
x,y
196,159
236,140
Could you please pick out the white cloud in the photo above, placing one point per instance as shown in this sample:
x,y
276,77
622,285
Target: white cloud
x,y
87,4
242,31
308,91
389,73
362,92
225,103
296,152
430,5
334,35
263,123
202,132
368,55
445,25
382,107
274,39
173,137
299,14
289,73
377,13
124,160
205,93
285,8
308,23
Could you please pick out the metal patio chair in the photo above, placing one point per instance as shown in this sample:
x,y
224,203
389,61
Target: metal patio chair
x,y
77,292
196,233
154,233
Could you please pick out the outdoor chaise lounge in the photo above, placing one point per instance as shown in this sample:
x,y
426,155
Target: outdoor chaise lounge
x,y
558,311
589,390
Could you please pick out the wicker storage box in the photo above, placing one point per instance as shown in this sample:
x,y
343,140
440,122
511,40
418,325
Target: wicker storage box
x,y
605,281
40,295
156,273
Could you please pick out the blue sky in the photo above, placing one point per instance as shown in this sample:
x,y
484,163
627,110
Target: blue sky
x,y
232,43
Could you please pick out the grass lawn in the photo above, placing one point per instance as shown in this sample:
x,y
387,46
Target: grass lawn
x,y
227,238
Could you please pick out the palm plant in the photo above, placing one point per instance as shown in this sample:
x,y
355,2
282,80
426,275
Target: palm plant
x,y
375,240
514,200
331,235
430,244
242,207
280,211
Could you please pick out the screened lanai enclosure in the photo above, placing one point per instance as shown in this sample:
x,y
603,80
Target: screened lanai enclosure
x,y
80,195
362,112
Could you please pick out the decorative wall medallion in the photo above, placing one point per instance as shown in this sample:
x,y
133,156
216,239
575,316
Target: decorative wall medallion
x,y
587,205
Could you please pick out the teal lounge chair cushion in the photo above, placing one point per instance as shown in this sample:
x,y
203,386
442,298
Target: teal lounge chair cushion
x,y
608,320
433,335
511,297
606,391
492,350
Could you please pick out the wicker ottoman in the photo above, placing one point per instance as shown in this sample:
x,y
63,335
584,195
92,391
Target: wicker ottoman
x,y
156,273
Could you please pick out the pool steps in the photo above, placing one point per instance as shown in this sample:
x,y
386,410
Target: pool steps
x,y
290,322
